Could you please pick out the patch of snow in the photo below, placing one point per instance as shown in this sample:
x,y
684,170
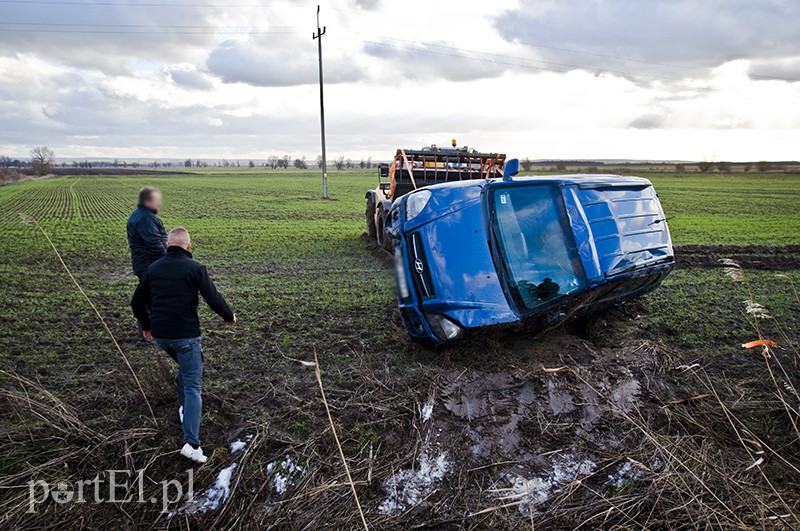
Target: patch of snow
x,y
215,495
531,493
626,395
286,473
427,410
238,445
408,487
756,310
625,473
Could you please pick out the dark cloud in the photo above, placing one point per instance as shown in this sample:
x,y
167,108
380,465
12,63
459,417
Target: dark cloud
x,y
650,120
190,79
693,35
369,5
106,37
437,60
92,116
783,69
266,64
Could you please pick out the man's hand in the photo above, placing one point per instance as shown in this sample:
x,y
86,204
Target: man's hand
x,y
233,321
147,334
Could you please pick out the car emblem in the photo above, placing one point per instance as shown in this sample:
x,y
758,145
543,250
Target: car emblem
x,y
418,266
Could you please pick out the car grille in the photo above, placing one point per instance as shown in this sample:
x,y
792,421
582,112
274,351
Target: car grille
x,y
419,267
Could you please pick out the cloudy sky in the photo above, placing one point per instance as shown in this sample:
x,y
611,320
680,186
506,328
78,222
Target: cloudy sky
x,y
660,79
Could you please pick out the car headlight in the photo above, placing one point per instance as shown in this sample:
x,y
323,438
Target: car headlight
x,y
444,327
416,202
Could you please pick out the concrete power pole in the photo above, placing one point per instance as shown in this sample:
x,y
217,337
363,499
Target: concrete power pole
x,y
318,35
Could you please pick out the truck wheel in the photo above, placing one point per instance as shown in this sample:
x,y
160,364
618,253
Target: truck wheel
x,y
371,231
380,234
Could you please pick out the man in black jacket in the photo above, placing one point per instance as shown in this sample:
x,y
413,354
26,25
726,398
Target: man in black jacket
x,y
146,235
165,304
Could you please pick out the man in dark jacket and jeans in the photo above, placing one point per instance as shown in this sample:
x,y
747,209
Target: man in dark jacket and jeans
x,y
146,235
165,303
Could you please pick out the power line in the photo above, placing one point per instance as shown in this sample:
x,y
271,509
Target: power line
x,y
141,26
147,4
602,55
159,32
525,63
568,66
422,47
526,59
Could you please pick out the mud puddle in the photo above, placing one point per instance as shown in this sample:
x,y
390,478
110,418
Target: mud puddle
x,y
533,430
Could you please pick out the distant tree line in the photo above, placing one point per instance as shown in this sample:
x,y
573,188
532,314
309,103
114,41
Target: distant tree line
x,y
42,161
727,167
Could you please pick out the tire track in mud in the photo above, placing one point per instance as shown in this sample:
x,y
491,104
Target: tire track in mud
x,y
748,257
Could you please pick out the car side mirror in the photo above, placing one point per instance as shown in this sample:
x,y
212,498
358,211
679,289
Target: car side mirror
x,y
510,169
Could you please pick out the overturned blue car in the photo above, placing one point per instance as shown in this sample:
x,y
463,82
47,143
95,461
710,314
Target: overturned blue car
x,y
484,247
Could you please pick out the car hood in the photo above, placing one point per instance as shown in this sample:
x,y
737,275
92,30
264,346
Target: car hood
x,y
465,281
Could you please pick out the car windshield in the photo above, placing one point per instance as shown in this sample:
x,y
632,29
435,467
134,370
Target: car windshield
x,y
536,245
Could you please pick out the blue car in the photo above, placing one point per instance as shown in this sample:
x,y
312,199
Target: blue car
x,y
509,250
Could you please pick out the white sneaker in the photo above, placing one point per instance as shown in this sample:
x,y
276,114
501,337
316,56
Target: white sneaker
x,y
195,455
180,413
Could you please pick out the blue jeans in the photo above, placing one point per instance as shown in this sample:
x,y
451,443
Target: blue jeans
x,y
189,356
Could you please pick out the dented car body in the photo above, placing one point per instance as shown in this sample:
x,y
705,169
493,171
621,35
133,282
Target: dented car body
x,y
478,253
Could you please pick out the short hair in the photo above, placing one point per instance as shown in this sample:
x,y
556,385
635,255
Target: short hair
x,y
179,236
146,194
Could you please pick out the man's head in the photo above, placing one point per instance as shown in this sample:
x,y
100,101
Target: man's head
x,y
150,197
179,237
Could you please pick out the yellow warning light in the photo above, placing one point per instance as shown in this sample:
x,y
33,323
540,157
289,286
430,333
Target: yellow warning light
x,y
454,142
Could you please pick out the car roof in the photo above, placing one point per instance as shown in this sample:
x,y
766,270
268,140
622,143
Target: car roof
x,y
561,180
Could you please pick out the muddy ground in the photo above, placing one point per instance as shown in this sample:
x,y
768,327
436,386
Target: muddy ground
x,y
517,437
563,426
623,420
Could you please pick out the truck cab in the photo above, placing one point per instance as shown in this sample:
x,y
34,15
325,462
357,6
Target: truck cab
x,y
532,250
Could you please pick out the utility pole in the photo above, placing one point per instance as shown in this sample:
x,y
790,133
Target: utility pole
x,y
318,36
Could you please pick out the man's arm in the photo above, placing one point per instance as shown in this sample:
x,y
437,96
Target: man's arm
x,y
141,297
148,230
215,301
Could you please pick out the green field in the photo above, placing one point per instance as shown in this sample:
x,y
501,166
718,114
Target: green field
x,y
301,280
731,209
